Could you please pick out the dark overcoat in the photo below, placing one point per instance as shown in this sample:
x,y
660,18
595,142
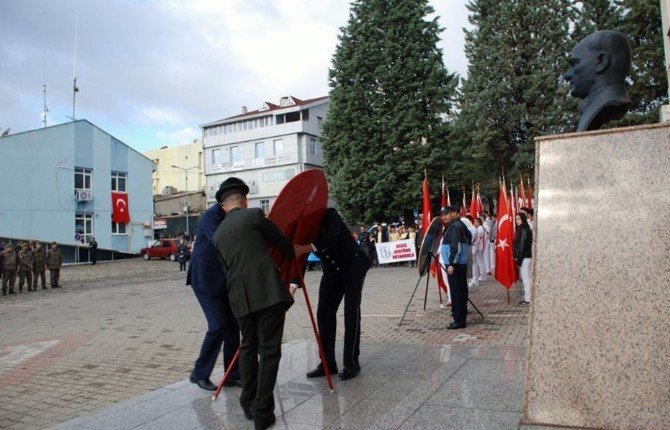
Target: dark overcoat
x,y
254,282
205,272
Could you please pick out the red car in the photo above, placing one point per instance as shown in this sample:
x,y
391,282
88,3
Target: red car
x,y
163,248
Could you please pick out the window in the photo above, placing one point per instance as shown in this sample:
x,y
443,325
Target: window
x,y
83,227
311,147
119,182
265,205
293,116
260,149
319,122
278,146
82,178
119,228
280,119
216,156
234,154
305,115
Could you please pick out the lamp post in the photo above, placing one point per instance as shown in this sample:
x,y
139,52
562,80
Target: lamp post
x,y
188,233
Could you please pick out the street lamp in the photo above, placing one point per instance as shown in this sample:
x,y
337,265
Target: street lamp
x,y
188,233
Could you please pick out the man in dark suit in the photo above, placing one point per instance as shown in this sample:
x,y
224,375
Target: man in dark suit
x,y
344,270
258,297
208,279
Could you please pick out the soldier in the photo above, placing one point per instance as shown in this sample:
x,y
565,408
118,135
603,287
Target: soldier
x,y
39,266
25,267
54,262
9,265
93,249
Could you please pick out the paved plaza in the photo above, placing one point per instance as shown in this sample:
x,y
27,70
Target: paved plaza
x,y
113,349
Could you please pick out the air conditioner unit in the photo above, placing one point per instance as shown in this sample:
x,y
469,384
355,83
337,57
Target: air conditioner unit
x,y
83,195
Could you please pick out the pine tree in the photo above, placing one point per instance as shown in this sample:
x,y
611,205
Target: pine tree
x,y
391,97
514,90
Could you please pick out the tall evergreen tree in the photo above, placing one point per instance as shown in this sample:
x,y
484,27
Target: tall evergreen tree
x,y
514,91
391,98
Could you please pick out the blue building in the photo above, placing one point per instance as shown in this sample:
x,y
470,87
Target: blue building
x,y
56,184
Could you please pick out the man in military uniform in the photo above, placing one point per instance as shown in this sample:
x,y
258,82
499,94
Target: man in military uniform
x,y
39,266
54,263
344,270
9,265
25,267
258,297
208,280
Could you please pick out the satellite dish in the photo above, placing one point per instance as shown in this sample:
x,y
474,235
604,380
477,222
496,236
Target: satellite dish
x,y
5,133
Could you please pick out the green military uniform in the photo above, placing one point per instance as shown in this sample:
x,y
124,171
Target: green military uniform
x,y
54,262
25,267
9,265
259,300
39,267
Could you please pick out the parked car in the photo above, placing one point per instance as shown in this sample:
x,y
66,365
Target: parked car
x,y
163,248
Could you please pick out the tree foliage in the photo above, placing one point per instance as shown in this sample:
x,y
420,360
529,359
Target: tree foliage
x,y
391,98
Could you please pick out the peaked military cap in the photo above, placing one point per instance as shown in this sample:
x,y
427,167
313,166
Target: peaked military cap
x,y
231,186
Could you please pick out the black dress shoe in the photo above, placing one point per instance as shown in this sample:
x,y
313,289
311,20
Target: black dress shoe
x,y
205,384
233,383
262,424
247,413
455,326
319,371
350,372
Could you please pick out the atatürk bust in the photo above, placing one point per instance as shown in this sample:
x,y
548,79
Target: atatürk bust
x,y
598,68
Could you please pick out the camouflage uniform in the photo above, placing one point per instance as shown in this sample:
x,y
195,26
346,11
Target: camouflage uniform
x,y
25,267
9,264
54,262
39,267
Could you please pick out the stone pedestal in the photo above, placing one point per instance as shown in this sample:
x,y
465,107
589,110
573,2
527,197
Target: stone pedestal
x,y
599,335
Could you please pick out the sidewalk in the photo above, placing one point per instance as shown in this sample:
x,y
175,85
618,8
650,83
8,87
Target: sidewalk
x,y
401,386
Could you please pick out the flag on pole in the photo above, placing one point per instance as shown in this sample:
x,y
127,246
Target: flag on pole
x,y
522,194
463,206
427,212
512,209
473,204
480,207
530,195
506,272
445,199
448,198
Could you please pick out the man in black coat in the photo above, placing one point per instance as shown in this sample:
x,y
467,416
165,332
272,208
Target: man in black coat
x,y
208,279
258,297
344,270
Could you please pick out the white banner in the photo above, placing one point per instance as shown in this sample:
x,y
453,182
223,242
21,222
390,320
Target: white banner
x,y
393,252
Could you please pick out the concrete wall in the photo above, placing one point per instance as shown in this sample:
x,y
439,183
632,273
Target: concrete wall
x,y
185,156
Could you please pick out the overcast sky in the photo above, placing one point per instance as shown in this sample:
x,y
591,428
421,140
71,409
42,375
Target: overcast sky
x,y
151,71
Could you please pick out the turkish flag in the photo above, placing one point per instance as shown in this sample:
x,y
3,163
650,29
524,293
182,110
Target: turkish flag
x,y
120,211
463,206
445,199
474,209
506,272
427,212
522,194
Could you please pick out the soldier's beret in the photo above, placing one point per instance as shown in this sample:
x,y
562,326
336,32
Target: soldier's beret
x,y
231,186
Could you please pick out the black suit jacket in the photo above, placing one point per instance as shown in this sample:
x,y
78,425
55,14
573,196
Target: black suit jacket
x,y
335,245
254,282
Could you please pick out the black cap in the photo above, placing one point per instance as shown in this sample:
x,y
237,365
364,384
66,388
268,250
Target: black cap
x,y
447,209
231,186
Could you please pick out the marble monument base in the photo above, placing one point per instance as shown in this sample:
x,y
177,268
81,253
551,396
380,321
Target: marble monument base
x,y
599,332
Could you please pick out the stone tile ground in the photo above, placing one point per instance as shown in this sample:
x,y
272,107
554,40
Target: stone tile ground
x,y
121,330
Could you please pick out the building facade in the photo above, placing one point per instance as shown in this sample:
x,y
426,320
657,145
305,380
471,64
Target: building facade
x,y
57,184
265,147
188,156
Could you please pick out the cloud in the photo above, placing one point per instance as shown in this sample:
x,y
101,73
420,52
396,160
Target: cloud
x,y
177,137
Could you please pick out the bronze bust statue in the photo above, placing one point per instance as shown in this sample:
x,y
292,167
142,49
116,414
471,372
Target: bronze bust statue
x,y
598,69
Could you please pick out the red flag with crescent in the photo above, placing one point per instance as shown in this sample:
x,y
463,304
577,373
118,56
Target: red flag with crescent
x,y
120,211
506,272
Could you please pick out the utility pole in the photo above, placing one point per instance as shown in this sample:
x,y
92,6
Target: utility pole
x,y
186,181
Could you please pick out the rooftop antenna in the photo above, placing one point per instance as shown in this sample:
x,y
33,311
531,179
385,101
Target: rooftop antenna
x,y
45,109
75,89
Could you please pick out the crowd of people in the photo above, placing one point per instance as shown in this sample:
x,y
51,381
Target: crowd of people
x,y
28,261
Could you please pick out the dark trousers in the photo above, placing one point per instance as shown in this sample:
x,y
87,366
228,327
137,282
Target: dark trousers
x,y
54,276
222,329
25,275
182,266
38,274
94,256
346,283
458,286
8,279
260,353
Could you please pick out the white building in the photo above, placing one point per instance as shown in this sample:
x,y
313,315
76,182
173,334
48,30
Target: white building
x,y
265,147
